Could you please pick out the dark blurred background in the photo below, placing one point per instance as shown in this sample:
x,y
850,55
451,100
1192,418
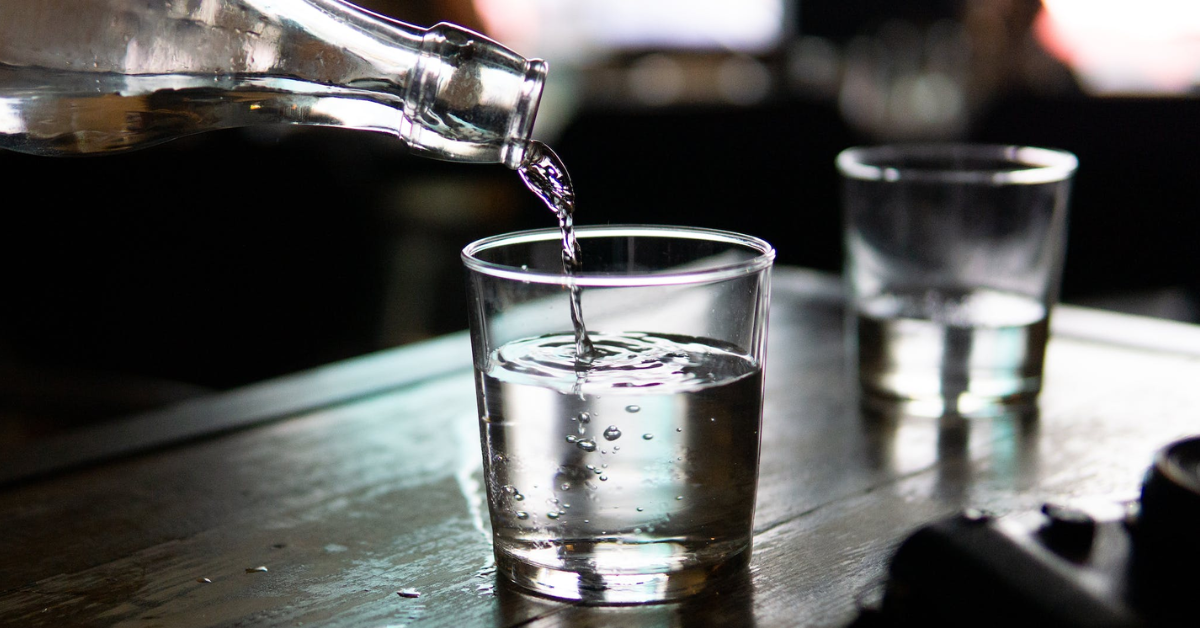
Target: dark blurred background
x,y
221,259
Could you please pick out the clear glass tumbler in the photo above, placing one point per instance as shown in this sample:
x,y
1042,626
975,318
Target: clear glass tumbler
x,y
954,255
627,475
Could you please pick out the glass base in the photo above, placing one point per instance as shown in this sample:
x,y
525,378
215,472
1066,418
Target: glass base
x,y
592,587
966,404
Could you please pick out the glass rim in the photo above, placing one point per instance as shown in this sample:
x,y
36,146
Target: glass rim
x,y
764,258
1015,165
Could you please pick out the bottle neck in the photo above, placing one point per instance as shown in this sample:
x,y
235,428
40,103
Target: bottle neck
x,y
471,99
465,97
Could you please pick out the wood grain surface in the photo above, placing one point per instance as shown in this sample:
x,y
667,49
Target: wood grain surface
x,y
314,501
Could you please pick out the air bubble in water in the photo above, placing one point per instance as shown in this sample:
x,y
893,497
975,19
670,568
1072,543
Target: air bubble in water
x,y
612,433
565,486
586,444
647,436
519,497
521,514
553,514
640,509
572,438
604,478
632,409
585,417
679,429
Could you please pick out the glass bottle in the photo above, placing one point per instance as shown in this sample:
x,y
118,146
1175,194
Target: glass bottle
x,y
95,76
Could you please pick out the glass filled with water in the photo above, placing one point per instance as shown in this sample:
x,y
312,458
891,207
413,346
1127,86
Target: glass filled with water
x,y
954,255
620,458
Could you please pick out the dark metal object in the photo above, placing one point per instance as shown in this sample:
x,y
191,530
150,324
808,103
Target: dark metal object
x,y
1059,566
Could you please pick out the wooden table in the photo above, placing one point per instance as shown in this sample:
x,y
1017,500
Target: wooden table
x,y
314,499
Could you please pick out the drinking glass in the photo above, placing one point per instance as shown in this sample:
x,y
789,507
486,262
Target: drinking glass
x,y
953,259
628,474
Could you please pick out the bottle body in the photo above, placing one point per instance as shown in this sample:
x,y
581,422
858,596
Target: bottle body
x,y
95,76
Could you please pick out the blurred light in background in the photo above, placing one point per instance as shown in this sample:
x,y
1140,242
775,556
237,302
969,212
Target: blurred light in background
x,y
908,82
643,53
10,121
559,29
657,79
1147,47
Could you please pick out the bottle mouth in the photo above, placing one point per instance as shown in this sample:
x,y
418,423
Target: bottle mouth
x,y
520,125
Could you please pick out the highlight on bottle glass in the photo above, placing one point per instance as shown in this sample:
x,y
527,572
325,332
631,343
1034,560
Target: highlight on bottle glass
x,y
953,259
620,406
133,74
